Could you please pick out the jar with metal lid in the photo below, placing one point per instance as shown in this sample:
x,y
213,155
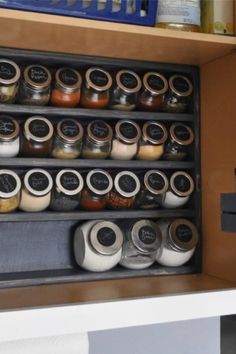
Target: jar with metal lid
x,y
180,189
66,91
97,245
154,88
10,186
9,80
155,183
37,137
142,239
9,137
178,98
125,92
97,142
151,146
36,190
96,89
67,189
124,192
98,184
179,241
125,141
35,86
178,145
68,138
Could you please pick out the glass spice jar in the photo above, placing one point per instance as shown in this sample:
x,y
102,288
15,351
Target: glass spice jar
x,y
151,146
95,92
9,137
35,86
37,137
154,88
98,185
125,142
66,91
178,98
97,142
142,239
36,190
9,80
125,93
66,193
177,147
67,143
10,186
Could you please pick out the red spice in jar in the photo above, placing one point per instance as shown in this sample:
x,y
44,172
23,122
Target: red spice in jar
x,y
91,202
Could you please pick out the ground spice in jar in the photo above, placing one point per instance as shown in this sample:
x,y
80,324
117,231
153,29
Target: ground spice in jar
x,y
9,137
9,79
10,186
178,98
178,145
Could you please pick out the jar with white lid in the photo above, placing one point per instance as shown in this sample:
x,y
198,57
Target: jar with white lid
x,y
178,98
10,186
179,241
36,190
178,146
125,142
9,137
98,245
9,80
142,239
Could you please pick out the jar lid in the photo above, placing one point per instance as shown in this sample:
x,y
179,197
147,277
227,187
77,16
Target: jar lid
x,y
98,79
180,85
106,238
38,128
69,182
99,132
99,181
156,181
128,131
181,134
37,76
10,184
154,133
9,72
67,79
155,83
128,81
182,184
146,236
183,235
69,130
9,128
127,184
38,182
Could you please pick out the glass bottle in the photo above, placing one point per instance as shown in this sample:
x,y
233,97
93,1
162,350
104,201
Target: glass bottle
x,y
10,186
178,98
178,146
9,80
9,137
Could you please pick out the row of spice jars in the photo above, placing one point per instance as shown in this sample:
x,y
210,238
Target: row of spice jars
x,y
100,245
96,141
123,90
69,190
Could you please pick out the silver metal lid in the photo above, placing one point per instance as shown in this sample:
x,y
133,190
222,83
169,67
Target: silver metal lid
x,y
70,182
10,184
99,181
127,184
180,85
38,182
146,236
182,184
38,128
181,134
128,131
69,130
37,76
9,72
128,81
9,128
99,132
155,83
98,79
156,181
183,235
68,80
155,133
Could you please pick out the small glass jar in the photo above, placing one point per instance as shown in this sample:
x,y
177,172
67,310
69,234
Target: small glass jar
x,y
67,143
97,245
178,98
179,241
125,142
154,88
95,92
97,143
36,191
10,186
151,146
155,183
126,188
125,93
179,143
98,184
37,137
9,79
66,193
66,91
35,86
142,239
9,137
180,189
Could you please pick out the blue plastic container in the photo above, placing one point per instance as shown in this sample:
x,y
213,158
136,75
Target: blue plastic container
x,y
127,11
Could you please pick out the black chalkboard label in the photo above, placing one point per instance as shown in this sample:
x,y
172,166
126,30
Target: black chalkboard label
x,y
38,181
38,74
68,77
182,133
147,235
99,78
39,128
155,132
7,126
7,183
106,236
182,183
128,130
180,84
184,233
69,128
155,82
99,129
7,71
127,184
156,181
128,80
69,181
99,181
